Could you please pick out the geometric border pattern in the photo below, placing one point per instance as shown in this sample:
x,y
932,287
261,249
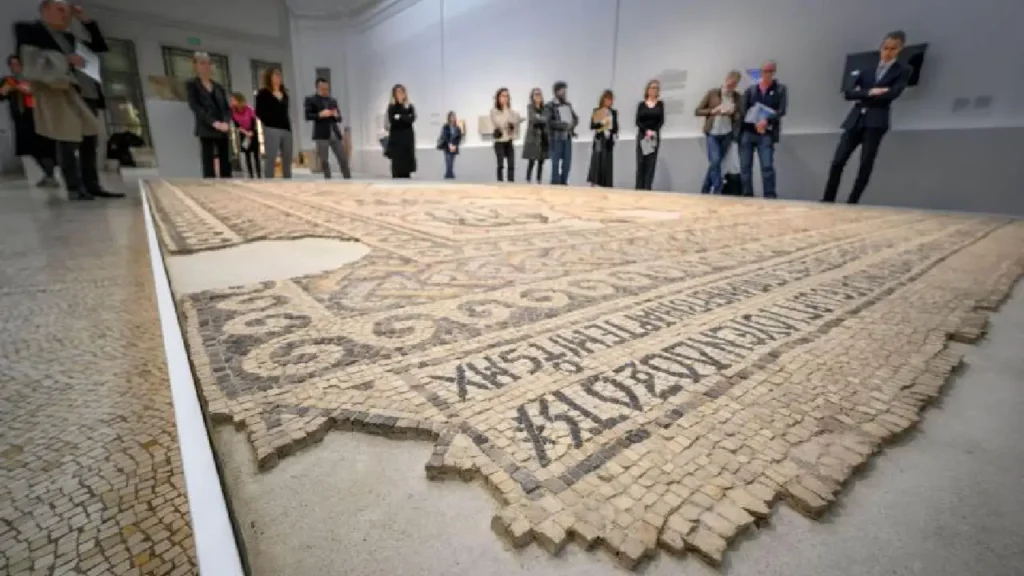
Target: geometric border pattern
x,y
634,370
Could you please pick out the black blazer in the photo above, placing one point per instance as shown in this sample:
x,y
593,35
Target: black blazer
x,y
450,136
776,98
874,111
322,127
208,107
36,34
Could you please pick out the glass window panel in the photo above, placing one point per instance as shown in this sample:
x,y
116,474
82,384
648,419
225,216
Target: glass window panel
x,y
178,64
123,90
116,60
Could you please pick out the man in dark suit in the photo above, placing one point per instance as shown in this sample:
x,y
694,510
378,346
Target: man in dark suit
x,y
322,110
872,92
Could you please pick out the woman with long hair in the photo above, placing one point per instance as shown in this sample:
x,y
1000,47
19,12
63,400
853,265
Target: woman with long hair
x,y
506,123
401,141
448,143
248,133
272,108
535,147
604,121
650,117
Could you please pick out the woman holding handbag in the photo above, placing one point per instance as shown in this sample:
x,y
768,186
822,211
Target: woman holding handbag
x,y
448,143
506,123
244,118
535,148
604,121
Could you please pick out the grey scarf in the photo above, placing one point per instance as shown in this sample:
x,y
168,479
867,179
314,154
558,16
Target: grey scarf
x,y
86,85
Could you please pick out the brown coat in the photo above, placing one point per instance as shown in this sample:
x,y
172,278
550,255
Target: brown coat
x,y
60,113
713,99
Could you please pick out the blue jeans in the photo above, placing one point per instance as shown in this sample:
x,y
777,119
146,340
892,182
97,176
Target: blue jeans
x,y
449,165
765,155
560,153
717,148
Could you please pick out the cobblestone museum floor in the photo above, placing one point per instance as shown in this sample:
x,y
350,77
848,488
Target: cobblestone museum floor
x,y
630,371
90,473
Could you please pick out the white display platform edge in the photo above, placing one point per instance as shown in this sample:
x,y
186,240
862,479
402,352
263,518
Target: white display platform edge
x,y
216,549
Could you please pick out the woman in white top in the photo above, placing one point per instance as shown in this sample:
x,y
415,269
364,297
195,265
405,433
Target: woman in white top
x,y
506,123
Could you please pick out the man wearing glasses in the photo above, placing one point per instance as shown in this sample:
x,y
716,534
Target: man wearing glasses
x,y
764,105
872,92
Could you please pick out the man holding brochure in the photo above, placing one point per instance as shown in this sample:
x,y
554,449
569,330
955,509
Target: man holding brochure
x,y
764,105
872,92
64,73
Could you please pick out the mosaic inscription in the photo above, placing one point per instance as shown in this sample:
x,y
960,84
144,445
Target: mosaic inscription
x,y
636,371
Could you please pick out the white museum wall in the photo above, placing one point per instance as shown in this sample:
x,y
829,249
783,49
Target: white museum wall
x,y
260,18
317,42
242,30
151,33
521,45
406,49
453,54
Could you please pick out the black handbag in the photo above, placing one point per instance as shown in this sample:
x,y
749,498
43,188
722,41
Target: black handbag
x,y
732,186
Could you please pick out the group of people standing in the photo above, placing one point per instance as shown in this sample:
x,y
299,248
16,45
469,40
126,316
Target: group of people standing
x,y
550,130
216,118
55,107
751,121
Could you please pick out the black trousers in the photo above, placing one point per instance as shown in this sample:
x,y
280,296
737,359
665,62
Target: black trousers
x,y
78,165
645,166
869,140
505,152
252,161
211,148
529,170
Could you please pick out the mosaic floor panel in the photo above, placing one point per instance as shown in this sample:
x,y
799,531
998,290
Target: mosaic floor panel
x,y
90,471
631,370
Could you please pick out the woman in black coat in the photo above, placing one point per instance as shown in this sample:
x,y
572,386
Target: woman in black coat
x,y
401,147
535,146
209,103
604,121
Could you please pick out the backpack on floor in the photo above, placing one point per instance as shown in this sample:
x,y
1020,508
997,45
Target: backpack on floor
x,y
732,185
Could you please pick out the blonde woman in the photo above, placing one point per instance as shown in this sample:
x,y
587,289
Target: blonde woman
x,y
506,124
401,141
209,104
272,108
650,117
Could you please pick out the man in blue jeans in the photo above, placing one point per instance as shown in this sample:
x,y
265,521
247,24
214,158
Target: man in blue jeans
x,y
763,133
561,120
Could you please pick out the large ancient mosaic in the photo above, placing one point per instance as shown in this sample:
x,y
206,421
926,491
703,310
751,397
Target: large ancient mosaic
x,y
636,371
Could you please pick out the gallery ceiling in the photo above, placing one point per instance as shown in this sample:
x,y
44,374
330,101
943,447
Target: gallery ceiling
x,y
333,7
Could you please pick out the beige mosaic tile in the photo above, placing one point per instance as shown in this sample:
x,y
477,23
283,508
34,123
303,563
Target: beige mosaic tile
x,y
90,472
623,381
